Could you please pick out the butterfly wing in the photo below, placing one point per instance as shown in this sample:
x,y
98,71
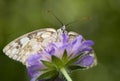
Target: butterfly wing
x,y
30,43
35,42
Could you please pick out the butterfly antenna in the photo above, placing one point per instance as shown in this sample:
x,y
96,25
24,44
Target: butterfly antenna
x,y
84,18
55,17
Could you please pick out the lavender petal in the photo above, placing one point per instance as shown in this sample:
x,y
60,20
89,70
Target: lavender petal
x,y
86,61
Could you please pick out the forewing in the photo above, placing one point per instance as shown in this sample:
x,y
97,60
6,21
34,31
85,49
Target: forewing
x,y
30,43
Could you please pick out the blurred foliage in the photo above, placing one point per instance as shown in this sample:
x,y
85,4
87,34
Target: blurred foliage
x,y
98,20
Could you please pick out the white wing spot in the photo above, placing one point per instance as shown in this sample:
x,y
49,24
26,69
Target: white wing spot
x,y
45,35
15,57
39,33
24,41
14,51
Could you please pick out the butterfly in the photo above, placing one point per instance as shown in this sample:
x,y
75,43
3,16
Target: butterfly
x,y
34,42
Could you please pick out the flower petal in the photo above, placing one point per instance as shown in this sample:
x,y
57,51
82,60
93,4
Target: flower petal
x,y
85,46
86,61
34,65
65,38
50,49
58,49
33,70
74,45
33,59
35,77
88,43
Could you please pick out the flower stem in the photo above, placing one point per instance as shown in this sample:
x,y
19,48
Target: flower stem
x,y
65,74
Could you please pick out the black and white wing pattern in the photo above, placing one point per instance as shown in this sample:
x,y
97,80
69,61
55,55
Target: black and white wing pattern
x,y
30,43
34,42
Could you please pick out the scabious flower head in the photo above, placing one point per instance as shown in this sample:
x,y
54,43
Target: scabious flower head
x,y
67,54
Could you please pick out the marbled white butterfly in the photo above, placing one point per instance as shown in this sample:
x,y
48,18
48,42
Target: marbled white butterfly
x,y
34,42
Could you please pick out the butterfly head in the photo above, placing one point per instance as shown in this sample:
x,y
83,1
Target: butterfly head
x,y
63,28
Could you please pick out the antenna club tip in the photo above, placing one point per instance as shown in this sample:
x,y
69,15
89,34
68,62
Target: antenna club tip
x,y
87,18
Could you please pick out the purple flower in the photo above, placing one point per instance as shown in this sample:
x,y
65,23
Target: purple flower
x,y
77,47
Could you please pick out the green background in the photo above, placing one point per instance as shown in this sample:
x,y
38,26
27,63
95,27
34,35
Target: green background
x,y
98,20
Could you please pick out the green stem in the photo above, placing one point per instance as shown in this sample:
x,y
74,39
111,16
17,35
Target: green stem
x,y
65,74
